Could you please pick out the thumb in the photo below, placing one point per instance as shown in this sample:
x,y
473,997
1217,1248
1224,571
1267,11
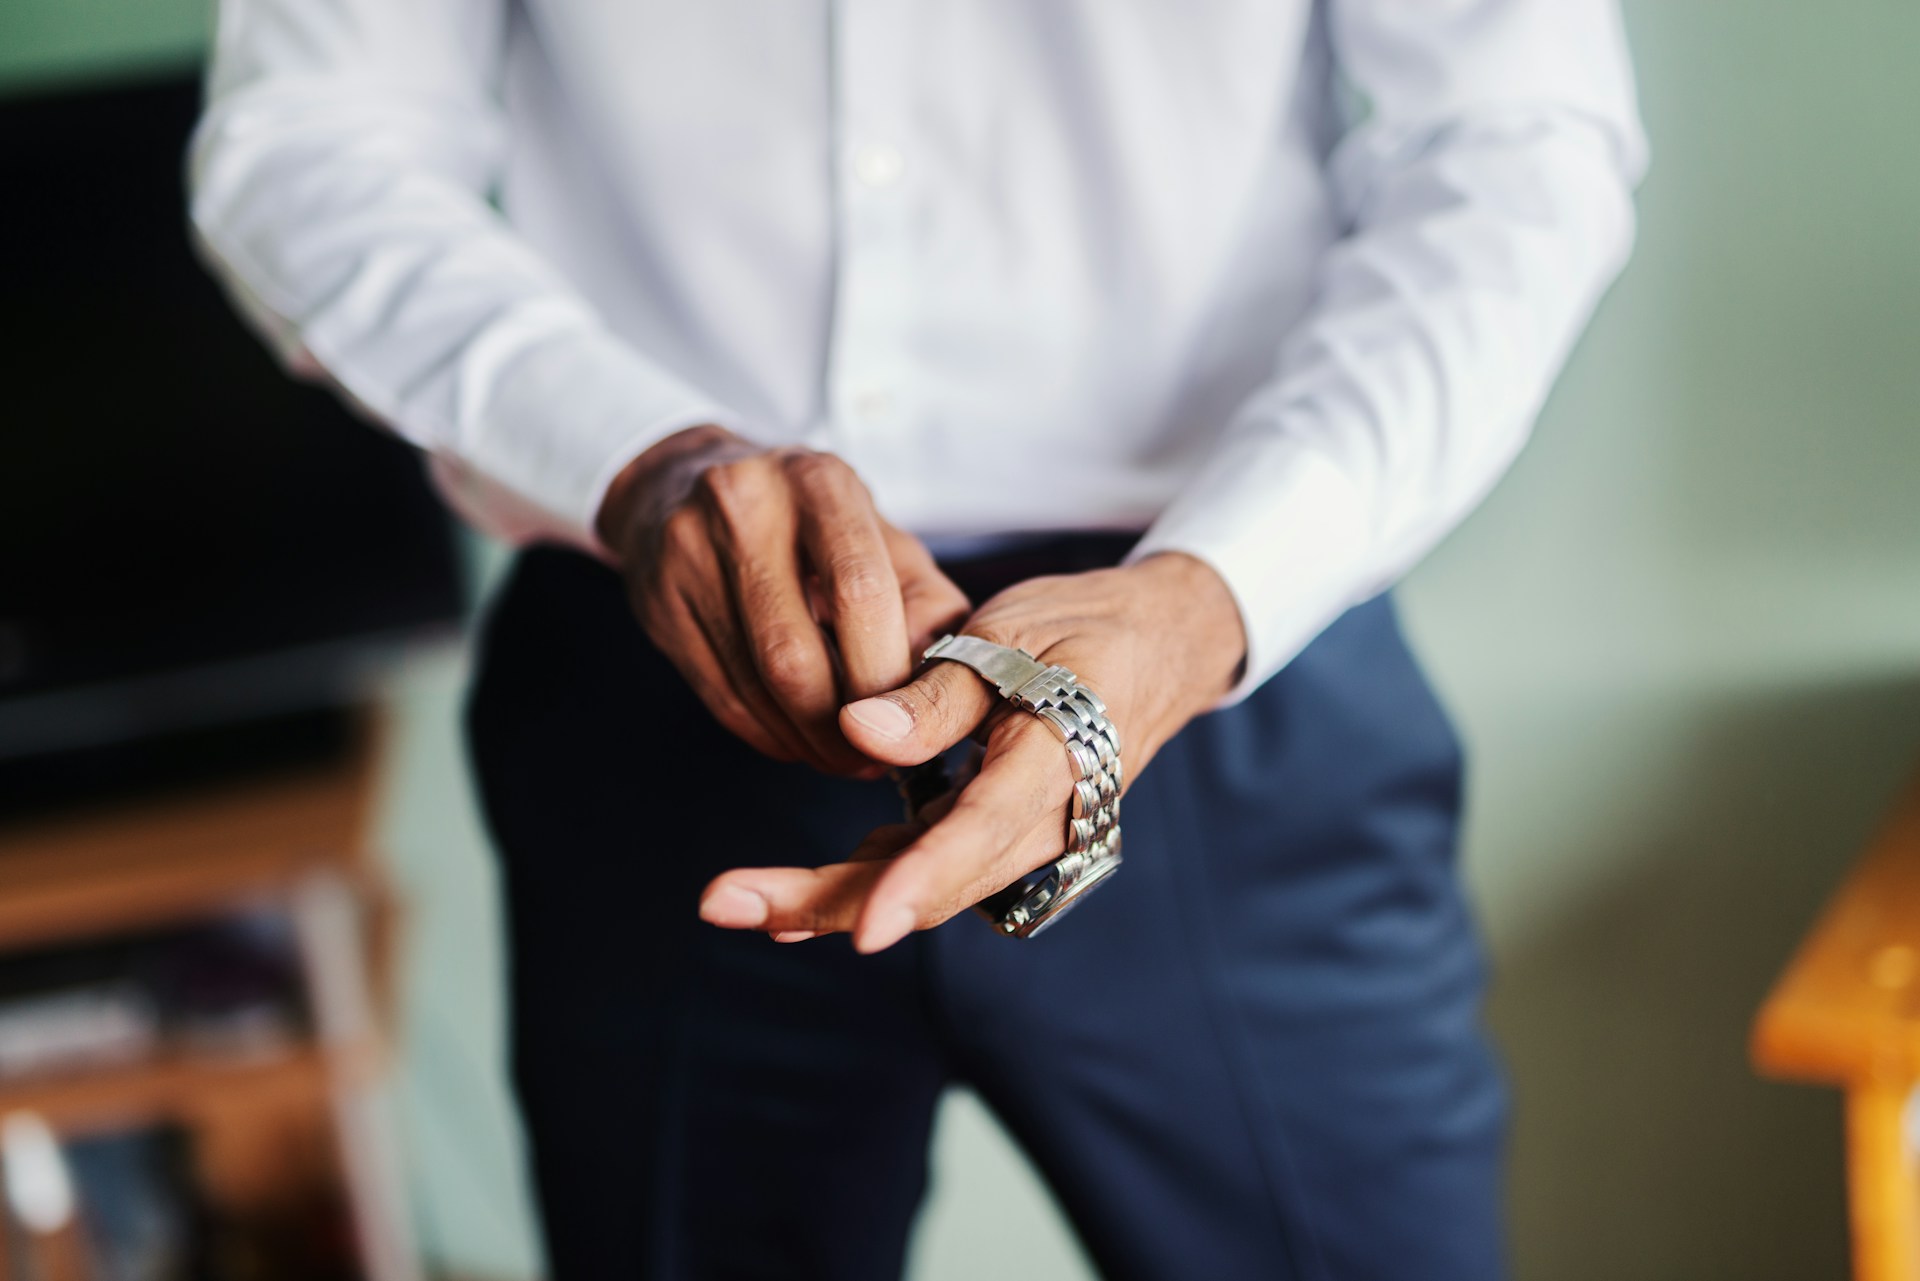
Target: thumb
x,y
922,718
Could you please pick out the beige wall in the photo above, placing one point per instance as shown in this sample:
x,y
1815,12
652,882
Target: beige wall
x,y
1683,641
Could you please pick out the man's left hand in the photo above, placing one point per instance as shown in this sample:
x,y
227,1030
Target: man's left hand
x,y
1160,641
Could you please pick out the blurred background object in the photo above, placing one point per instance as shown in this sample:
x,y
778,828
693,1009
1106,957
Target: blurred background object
x,y
1843,1014
204,565
201,555
1683,640
191,1014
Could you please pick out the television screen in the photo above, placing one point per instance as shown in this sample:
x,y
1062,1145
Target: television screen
x,y
186,534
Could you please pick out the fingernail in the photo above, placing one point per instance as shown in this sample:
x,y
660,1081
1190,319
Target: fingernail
x,y
733,907
892,926
883,716
793,936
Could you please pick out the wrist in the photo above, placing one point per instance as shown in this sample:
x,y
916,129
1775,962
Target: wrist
x,y
1194,609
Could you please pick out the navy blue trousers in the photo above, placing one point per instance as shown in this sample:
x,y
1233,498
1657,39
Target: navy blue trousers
x,y
1256,1052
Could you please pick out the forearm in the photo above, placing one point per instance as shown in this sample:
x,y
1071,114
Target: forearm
x,y
340,184
1490,207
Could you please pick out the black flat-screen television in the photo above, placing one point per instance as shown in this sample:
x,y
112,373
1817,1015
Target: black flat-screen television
x,y
188,537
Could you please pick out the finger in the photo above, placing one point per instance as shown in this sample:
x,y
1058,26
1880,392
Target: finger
x,y
789,651
804,901
843,540
753,525
887,841
831,899
819,900
922,718
934,603
701,635
714,615
684,642
993,835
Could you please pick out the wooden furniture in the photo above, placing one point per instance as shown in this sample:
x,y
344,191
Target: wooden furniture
x,y
270,1127
1846,1013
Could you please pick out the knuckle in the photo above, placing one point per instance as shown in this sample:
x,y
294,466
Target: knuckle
x,y
732,487
713,481
799,464
934,698
823,473
683,531
785,659
858,581
814,462
804,915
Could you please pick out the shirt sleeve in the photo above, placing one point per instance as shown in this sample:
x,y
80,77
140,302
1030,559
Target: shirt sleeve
x,y
341,180
1486,188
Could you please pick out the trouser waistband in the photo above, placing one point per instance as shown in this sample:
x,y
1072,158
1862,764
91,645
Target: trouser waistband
x,y
981,577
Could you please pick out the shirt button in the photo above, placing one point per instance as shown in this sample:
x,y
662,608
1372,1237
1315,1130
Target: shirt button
x,y
872,405
878,165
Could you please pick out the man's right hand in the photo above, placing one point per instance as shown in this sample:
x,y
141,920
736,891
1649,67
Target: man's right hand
x,y
770,581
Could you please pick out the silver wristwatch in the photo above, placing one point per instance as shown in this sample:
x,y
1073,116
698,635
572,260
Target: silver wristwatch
x,y
1077,715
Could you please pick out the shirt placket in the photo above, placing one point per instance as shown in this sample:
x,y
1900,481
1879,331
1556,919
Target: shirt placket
x,y
868,389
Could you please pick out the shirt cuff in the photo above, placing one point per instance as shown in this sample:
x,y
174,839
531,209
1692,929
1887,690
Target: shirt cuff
x,y
507,514
1285,528
540,429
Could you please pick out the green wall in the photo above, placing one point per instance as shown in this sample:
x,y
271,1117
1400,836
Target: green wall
x,y
59,41
1683,641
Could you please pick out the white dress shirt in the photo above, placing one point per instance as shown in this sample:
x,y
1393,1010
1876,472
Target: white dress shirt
x,y
1281,283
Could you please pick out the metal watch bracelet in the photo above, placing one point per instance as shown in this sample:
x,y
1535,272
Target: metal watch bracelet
x,y
1079,717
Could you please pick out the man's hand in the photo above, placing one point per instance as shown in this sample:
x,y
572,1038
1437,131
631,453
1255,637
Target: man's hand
x,y
770,581
1160,641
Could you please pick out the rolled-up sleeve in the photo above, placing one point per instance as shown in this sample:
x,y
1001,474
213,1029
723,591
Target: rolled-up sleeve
x,y
341,182
1486,187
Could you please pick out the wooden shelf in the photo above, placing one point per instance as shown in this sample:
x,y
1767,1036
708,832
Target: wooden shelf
x,y
157,863
172,1087
290,1126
